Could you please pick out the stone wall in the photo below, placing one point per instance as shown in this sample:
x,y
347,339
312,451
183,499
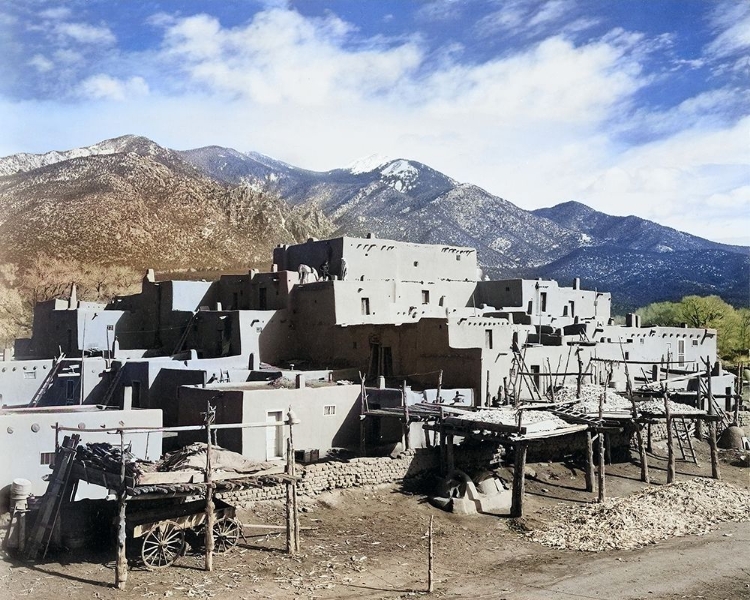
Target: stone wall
x,y
340,474
356,472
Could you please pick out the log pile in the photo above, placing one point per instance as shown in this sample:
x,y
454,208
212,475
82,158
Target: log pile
x,y
106,457
656,513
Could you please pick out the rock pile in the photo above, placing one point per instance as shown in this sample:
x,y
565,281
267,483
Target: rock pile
x,y
656,513
656,407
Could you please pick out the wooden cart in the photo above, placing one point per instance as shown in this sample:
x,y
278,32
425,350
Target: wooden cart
x,y
165,530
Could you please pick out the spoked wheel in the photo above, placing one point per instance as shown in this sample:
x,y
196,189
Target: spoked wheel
x,y
227,533
162,545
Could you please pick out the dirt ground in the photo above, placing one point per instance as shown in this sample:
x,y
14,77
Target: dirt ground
x,y
371,543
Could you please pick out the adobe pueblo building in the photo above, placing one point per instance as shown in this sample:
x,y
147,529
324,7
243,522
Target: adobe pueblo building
x,y
337,330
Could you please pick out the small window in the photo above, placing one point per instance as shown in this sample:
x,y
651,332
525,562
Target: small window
x,y
543,301
329,409
458,257
627,356
70,388
47,458
425,296
29,374
695,342
416,263
642,340
365,303
488,339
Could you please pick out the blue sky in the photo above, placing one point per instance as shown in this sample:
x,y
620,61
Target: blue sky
x,y
630,107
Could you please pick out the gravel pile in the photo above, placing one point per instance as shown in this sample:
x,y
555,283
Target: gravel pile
x,y
657,513
589,401
509,416
656,407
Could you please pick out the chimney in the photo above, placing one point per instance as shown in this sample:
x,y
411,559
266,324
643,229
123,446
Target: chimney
x,y
577,283
127,397
73,302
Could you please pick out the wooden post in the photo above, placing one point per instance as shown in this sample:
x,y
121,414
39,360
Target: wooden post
x,y
714,452
293,465
649,445
210,517
738,395
121,566
289,510
439,387
407,426
449,452
670,443
362,418
430,559
519,481
602,493
580,373
443,458
589,462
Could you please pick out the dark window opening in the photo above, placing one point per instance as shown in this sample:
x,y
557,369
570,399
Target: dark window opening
x,y
262,298
425,296
365,304
488,339
543,301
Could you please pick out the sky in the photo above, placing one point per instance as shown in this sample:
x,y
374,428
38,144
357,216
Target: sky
x,y
631,107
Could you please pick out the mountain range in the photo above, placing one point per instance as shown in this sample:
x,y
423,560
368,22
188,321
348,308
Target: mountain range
x,y
131,201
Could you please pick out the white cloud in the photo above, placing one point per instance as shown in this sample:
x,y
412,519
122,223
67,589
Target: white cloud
x,y
85,33
106,87
58,13
41,63
731,21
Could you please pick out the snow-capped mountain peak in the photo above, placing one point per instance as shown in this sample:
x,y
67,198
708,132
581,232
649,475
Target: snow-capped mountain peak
x,y
367,164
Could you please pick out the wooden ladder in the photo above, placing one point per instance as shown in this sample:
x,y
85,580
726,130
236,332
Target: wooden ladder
x,y
111,389
41,532
683,433
48,381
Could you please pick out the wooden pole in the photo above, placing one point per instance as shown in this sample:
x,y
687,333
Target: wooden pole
x,y
443,458
121,566
430,560
439,387
449,456
295,505
649,439
580,373
519,481
589,462
670,442
362,418
210,517
601,475
714,452
407,427
289,512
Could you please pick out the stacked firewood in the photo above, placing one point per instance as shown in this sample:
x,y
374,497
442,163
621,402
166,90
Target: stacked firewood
x,y
106,457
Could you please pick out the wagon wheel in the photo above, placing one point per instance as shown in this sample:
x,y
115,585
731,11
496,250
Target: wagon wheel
x,y
227,532
162,545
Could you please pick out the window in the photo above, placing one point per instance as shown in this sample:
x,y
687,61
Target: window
x,y
695,342
70,390
642,340
488,339
29,374
627,355
458,257
543,301
262,298
572,308
47,458
365,303
535,375
329,409
425,296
